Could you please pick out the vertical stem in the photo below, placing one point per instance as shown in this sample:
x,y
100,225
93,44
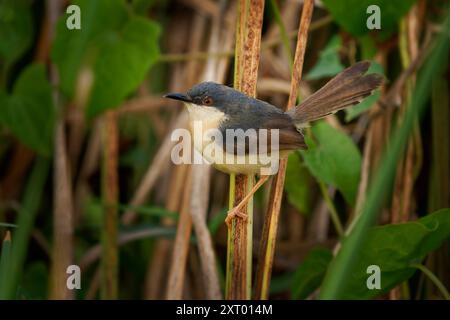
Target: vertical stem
x,y
177,269
109,262
62,251
30,203
433,279
248,43
268,239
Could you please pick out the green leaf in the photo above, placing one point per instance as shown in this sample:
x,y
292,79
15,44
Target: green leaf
x,y
334,159
116,45
29,112
16,29
281,283
354,111
352,14
217,221
329,63
5,260
142,6
297,184
394,248
310,273
33,194
35,281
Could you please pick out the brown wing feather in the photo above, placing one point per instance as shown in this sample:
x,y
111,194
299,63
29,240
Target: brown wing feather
x,y
349,87
289,138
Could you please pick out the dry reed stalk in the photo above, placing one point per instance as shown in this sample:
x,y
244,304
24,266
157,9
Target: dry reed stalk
x,y
177,266
208,7
110,196
89,165
404,181
267,244
62,253
239,257
95,252
177,31
266,45
157,268
21,160
155,169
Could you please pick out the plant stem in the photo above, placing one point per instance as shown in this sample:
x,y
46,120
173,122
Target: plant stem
x,y
433,279
247,51
283,32
268,44
268,238
30,204
110,192
333,213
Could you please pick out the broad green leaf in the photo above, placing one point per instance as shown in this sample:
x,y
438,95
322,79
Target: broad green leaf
x,y
329,63
281,283
310,273
141,6
16,29
29,112
394,248
116,45
35,281
297,184
354,111
333,159
352,14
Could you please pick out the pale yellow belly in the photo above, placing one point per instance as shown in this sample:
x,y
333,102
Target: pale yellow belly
x,y
242,164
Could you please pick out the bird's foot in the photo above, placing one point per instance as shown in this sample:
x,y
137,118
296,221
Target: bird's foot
x,y
233,213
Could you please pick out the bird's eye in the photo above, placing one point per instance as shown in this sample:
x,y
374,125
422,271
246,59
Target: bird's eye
x,y
207,101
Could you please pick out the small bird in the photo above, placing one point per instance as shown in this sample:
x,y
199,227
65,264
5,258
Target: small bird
x,y
219,107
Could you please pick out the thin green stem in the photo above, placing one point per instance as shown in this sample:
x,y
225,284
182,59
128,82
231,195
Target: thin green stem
x,y
230,244
443,290
333,213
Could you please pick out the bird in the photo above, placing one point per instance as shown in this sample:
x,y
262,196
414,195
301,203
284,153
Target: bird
x,y
221,109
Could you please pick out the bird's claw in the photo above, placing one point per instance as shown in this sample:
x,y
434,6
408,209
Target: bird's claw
x,y
234,213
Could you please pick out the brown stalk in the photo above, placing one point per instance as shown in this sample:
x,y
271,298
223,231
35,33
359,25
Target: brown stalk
x,y
177,266
157,269
156,168
268,239
62,253
404,182
201,174
248,43
110,193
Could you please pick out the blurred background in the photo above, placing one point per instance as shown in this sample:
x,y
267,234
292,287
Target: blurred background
x,y
85,172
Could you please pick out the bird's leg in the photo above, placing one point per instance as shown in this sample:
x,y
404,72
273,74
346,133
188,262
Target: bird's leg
x,y
236,211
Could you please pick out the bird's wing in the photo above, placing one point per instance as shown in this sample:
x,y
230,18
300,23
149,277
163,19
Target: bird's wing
x,y
258,132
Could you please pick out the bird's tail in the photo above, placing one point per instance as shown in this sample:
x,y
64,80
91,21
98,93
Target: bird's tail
x,y
348,88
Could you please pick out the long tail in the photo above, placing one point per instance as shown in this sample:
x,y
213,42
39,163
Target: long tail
x,y
348,88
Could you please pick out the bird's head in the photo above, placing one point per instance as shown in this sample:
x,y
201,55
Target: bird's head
x,y
211,95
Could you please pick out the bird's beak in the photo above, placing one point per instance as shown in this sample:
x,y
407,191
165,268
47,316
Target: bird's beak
x,y
178,96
